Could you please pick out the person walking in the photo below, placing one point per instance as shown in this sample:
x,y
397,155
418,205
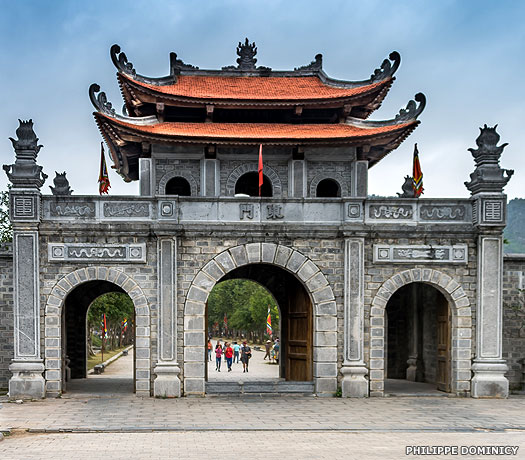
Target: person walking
x,y
246,354
236,349
229,355
268,347
218,356
210,347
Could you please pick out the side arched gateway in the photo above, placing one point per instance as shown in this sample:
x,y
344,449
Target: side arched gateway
x,y
459,340
249,259
97,280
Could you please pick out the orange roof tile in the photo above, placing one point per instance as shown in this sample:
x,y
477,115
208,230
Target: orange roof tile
x,y
260,131
255,88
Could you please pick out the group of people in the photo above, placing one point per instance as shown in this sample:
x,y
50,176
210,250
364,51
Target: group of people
x,y
272,350
231,353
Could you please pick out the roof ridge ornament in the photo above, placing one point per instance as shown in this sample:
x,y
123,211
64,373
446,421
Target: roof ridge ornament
x,y
387,69
176,65
120,61
101,102
412,111
316,64
246,60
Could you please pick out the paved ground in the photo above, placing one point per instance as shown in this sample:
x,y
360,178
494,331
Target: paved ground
x,y
116,423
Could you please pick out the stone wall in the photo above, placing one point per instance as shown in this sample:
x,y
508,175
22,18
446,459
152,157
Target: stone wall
x,y
167,168
514,318
6,313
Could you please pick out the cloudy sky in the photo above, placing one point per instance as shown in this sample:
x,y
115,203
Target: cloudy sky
x,y
466,56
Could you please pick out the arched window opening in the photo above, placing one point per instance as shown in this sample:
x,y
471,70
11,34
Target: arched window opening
x,y
248,184
178,186
328,188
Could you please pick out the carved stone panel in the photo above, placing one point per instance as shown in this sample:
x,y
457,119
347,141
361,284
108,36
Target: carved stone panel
x,y
126,209
390,212
72,209
86,252
441,212
493,211
457,253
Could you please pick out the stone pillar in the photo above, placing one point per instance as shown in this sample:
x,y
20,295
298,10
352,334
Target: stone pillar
x,y
489,216
354,370
360,178
25,201
297,179
489,366
210,177
146,177
167,370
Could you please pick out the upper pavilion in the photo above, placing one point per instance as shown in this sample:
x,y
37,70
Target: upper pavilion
x,y
249,105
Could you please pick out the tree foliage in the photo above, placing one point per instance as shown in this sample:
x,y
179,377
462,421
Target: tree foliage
x,y
6,230
245,304
117,307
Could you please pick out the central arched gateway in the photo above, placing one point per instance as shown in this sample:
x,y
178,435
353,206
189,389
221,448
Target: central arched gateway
x,y
309,323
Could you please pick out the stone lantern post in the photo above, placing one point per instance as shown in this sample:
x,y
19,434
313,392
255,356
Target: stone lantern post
x,y
486,185
27,179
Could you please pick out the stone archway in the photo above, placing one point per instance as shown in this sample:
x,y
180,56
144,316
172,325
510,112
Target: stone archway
x,y
461,337
291,260
172,174
253,167
53,324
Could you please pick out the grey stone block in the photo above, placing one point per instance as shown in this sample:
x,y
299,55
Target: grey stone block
x,y
268,252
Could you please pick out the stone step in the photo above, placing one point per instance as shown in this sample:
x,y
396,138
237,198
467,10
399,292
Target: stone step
x,y
260,387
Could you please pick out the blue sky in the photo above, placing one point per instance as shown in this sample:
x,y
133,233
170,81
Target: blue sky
x,y
466,56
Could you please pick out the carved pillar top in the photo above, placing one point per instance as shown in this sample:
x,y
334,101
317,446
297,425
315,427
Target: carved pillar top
x,y
488,176
25,173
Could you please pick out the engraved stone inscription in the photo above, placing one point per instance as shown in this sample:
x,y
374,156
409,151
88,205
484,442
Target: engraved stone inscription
x,y
126,210
70,209
429,212
493,211
81,252
246,211
274,211
390,212
424,253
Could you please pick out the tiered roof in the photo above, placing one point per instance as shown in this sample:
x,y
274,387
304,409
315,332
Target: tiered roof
x,y
249,105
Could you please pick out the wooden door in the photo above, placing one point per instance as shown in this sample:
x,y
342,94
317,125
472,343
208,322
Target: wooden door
x,y
443,345
298,344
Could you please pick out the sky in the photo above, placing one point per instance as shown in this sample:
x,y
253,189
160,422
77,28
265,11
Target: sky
x,y
467,57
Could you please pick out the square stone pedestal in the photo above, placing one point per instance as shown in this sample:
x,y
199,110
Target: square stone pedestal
x,y
167,382
27,381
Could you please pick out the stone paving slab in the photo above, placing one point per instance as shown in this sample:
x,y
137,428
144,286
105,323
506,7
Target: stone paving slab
x,y
250,445
269,413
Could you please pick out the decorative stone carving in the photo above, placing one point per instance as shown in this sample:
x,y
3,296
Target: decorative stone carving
x,y
61,185
412,111
354,210
71,209
100,101
452,212
488,176
246,61
493,210
412,253
176,65
316,64
82,252
24,207
387,69
384,211
25,173
408,189
120,61
167,209
126,210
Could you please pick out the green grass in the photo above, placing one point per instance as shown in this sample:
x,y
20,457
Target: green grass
x,y
97,359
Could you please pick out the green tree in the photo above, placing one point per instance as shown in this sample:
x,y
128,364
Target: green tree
x,y
6,230
117,307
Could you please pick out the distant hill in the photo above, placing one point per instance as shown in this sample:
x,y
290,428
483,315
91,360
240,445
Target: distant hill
x,y
515,230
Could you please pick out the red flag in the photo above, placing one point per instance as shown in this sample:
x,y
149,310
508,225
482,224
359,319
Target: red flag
x,y
105,327
260,169
269,322
417,175
103,178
